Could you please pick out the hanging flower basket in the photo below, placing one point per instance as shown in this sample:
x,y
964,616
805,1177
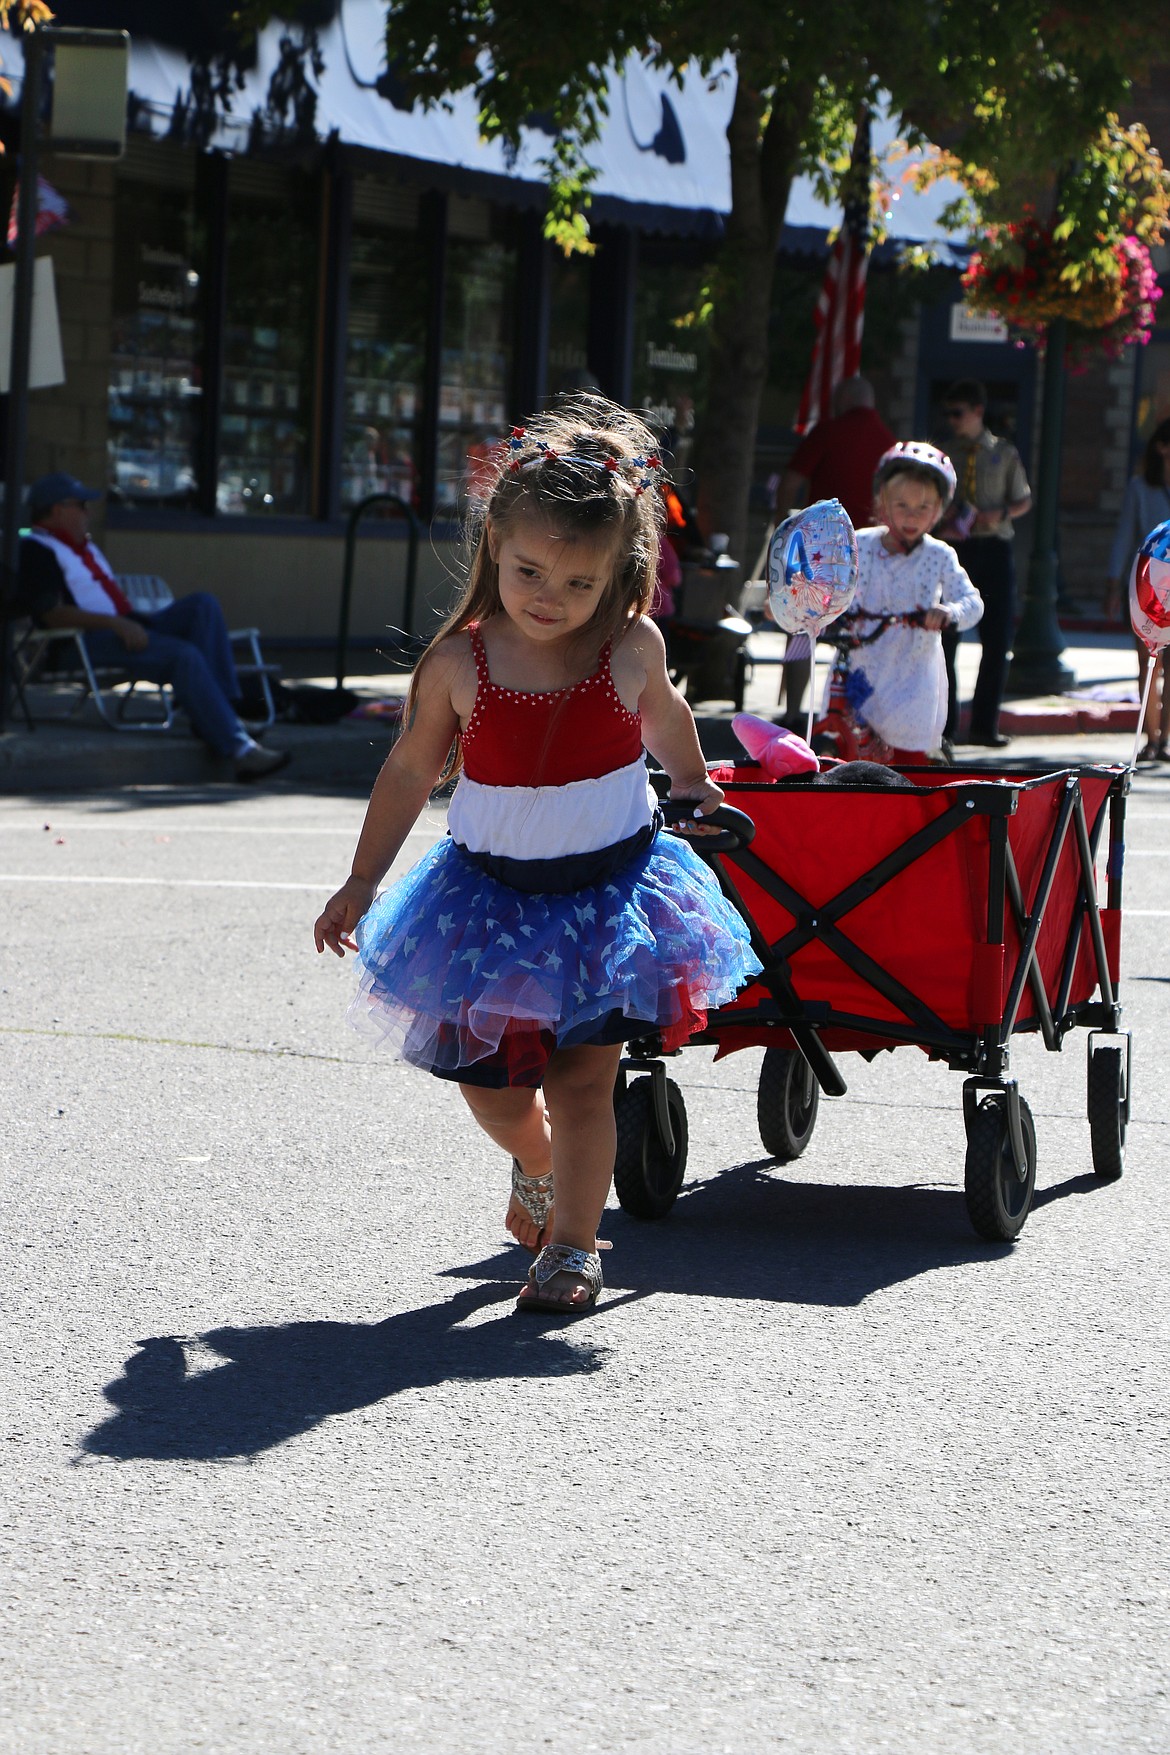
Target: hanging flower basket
x,y
1019,277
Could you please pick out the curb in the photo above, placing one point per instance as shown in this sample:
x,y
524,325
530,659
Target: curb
x,y
63,757
1069,717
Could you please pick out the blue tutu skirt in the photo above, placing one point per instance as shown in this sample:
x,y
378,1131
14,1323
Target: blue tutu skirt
x,y
461,971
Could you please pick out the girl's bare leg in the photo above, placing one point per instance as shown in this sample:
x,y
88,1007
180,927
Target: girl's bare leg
x,y
518,1121
578,1089
1163,679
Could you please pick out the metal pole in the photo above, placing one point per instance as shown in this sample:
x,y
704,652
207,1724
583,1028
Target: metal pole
x,y
1036,668
351,524
17,428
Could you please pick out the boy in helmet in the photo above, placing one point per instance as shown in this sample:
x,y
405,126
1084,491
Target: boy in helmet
x,y
888,689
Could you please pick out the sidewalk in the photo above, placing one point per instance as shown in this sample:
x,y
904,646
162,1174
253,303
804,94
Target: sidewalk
x,y
80,754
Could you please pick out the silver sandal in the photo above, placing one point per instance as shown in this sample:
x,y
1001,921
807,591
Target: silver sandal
x,y
535,1194
559,1258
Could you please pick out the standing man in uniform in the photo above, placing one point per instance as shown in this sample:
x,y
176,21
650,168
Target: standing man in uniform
x,y
993,491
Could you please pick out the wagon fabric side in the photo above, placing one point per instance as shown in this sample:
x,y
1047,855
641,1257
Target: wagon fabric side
x,y
947,916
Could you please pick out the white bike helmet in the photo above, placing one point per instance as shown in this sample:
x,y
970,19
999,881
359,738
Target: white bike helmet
x,y
920,456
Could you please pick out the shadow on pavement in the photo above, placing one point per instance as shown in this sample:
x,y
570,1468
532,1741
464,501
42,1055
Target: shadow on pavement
x,y
753,1232
273,1383
749,1233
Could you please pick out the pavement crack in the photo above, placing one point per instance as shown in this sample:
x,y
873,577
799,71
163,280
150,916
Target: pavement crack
x,y
275,1051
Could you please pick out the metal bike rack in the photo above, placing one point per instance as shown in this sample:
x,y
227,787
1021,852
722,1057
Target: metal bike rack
x,y
351,527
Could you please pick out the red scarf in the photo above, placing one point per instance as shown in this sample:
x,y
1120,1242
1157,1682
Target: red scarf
x,y
119,599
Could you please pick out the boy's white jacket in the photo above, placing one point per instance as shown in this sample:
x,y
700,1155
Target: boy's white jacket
x,y
904,667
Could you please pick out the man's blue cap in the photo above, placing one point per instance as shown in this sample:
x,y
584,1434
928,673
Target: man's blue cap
x,y
50,490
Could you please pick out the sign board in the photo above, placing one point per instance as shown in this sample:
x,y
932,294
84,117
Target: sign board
x,y
46,361
90,74
976,325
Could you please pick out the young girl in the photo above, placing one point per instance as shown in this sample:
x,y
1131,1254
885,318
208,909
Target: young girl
x,y
555,920
1146,504
888,689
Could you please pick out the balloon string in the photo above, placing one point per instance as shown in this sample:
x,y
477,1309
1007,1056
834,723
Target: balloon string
x,y
812,689
1155,659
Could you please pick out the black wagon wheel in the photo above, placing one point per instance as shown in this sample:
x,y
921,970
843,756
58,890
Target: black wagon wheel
x,y
786,1103
1108,1110
998,1199
646,1177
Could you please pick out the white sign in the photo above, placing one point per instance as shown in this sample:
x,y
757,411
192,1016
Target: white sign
x,y
46,363
969,325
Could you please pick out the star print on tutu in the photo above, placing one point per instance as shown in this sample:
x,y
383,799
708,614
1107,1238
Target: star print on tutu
x,y
812,568
657,943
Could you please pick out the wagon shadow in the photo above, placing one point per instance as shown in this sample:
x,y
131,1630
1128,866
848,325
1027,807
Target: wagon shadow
x,y
235,1392
756,1232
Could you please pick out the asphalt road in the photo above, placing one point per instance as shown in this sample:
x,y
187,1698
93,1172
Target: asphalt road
x,y
282,1473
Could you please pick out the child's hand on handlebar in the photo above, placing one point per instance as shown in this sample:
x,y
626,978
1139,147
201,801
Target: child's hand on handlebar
x,y
707,798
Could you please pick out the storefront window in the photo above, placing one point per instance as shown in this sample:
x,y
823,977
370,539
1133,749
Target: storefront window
x,y
155,390
385,347
478,325
568,326
670,355
273,260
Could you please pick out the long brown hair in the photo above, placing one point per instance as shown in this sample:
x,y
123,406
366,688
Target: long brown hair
x,y
585,467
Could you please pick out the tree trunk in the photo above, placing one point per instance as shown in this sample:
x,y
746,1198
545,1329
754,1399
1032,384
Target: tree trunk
x,y
762,167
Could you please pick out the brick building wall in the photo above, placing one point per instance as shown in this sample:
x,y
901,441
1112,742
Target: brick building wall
x,y
68,422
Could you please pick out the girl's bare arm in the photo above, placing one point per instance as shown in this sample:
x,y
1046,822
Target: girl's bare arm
x,y
407,779
668,725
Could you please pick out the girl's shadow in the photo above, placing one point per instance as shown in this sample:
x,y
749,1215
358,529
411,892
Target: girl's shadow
x,y
265,1385
749,1232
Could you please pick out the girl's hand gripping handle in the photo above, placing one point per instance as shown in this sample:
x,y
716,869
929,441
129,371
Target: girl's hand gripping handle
x,y
335,924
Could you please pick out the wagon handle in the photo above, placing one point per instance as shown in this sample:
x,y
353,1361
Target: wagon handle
x,y
735,826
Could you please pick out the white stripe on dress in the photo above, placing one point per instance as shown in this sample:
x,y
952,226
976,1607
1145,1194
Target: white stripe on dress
x,y
548,822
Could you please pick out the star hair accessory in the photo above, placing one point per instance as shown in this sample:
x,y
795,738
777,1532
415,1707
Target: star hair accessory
x,y
653,467
516,445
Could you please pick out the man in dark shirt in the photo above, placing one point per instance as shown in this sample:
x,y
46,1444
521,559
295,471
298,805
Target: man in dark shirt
x,y
68,583
836,461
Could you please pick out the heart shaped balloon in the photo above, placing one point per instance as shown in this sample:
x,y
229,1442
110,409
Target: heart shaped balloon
x,y
812,568
1149,589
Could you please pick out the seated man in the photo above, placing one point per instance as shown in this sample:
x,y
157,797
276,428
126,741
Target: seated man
x,y
70,584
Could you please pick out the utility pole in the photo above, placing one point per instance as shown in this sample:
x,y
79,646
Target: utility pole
x,y
88,121
1036,667
16,435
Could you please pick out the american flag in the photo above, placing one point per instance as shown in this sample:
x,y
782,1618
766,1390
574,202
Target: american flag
x,y
52,210
840,312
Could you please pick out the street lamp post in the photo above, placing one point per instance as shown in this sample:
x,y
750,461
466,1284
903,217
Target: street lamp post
x,y
88,121
1036,667
16,432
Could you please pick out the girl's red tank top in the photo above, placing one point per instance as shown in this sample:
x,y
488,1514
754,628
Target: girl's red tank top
x,y
525,737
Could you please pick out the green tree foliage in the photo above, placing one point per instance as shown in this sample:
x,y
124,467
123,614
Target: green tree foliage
x,y
1016,95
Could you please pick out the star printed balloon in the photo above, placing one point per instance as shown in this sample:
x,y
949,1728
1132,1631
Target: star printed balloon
x,y
812,568
1149,589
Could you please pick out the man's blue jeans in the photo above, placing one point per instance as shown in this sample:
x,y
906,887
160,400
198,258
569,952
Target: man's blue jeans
x,y
189,649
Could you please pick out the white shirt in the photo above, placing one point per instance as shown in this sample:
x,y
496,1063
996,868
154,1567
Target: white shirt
x,y
904,667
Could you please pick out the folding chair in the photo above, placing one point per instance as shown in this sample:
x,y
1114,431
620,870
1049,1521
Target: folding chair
x,y
110,689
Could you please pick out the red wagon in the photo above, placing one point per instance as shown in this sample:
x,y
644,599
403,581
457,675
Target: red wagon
x,y
948,916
